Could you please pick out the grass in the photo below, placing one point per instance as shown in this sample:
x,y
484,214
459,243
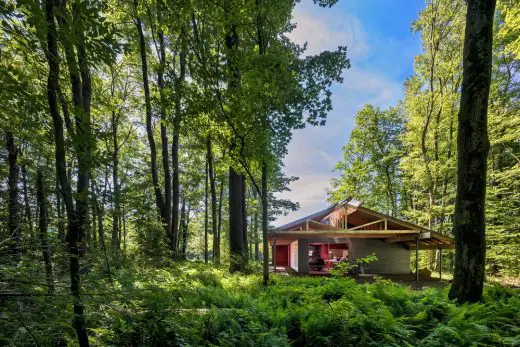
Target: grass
x,y
194,305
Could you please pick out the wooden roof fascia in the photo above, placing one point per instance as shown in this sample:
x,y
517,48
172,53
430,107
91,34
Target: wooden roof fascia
x,y
429,238
340,233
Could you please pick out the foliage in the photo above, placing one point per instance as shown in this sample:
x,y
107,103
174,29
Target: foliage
x,y
370,170
189,304
345,268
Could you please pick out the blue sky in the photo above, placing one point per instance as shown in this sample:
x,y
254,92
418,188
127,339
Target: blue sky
x,y
381,49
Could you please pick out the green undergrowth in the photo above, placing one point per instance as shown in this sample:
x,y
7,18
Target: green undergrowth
x,y
194,305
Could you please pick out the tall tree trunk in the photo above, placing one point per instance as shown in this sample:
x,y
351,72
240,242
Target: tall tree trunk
x,y
206,224
42,226
159,199
211,174
167,210
179,95
219,225
183,230
257,239
473,147
100,216
265,242
255,228
123,219
244,218
176,191
94,214
116,242
251,238
237,257
59,210
28,215
237,224
186,232
12,183
74,232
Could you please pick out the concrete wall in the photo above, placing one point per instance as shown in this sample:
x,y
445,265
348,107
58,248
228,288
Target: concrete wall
x,y
391,258
303,256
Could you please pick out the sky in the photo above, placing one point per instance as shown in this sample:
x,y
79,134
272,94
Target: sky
x,y
381,48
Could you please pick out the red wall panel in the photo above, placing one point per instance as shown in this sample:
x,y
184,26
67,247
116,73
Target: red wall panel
x,y
282,255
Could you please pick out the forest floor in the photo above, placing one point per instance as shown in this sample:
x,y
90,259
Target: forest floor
x,y
191,304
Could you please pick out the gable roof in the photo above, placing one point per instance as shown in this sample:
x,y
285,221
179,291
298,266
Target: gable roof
x,y
362,223
355,206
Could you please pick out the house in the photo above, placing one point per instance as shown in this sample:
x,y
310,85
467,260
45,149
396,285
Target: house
x,y
347,231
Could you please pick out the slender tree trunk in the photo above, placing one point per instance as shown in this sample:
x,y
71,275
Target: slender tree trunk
x,y
265,242
12,183
257,243
236,227
94,217
167,210
42,226
159,199
183,231
206,213
116,242
179,95
244,218
176,191
186,232
219,226
251,238
255,229
28,215
59,210
473,147
100,216
211,174
123,219
74,232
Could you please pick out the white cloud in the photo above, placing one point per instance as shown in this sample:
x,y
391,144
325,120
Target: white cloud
x,y
373,87
323,29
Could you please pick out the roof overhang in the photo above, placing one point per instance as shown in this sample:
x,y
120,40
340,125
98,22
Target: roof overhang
x,y
318,226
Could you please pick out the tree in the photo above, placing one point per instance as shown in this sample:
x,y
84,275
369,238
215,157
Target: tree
x,y
473,147
13,219
371,167
503,194
42,229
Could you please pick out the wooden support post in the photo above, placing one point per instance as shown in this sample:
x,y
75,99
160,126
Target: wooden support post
x,y
417,260
440,264
386,224
274,254
346,219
